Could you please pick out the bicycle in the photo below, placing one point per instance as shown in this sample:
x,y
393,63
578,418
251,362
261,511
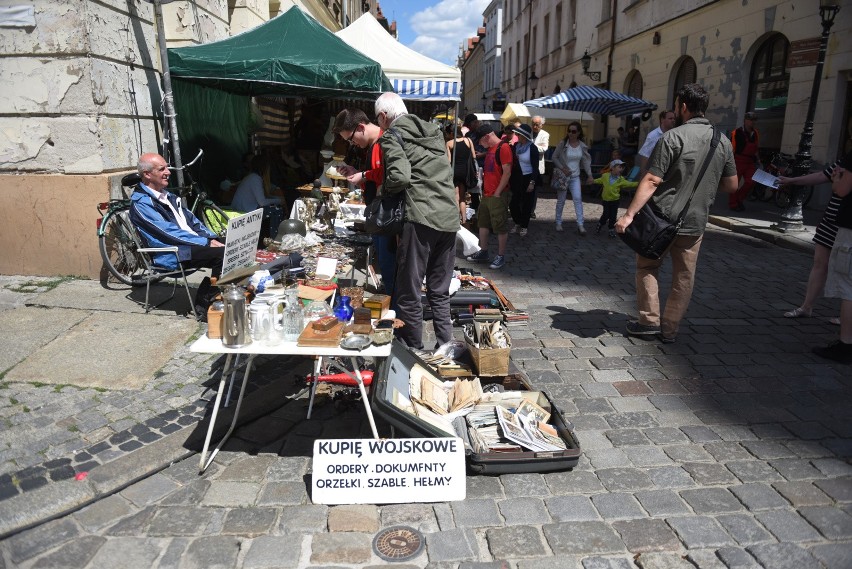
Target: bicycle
x,y
118,240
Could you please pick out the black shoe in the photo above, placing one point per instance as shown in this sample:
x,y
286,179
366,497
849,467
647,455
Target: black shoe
x,y
636,329
666,339
532,215
836,351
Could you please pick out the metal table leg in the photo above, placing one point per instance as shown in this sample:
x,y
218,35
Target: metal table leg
x,y
317,367
202,464
233,376
356,375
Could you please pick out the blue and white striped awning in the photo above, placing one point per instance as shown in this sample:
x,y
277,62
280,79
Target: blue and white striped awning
x,y
593,100
426,89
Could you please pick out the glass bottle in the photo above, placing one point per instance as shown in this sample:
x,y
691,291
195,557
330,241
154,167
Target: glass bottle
x,y
293,319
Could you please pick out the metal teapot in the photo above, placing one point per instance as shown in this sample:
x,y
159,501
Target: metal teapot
x,y
234,333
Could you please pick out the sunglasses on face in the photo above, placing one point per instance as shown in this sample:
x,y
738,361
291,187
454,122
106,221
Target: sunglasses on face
x,y
573,132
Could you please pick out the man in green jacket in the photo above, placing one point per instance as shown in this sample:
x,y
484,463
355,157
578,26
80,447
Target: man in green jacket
x,y
416,163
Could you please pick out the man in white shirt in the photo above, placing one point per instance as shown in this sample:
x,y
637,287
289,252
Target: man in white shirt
x,y
541,139
667,121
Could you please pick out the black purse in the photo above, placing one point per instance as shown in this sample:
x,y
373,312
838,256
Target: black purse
x,y
385,215
651,233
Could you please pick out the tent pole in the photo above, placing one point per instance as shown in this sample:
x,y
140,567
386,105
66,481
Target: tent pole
x,y
168,95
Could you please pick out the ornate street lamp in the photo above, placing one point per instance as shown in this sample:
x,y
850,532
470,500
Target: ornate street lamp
x,y
585,61
791,217
533,79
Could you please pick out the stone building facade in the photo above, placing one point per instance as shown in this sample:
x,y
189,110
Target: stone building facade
x,y
81,100
747,54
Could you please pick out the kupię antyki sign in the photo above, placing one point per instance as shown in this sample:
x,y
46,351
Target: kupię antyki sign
x,y
241,246
388,471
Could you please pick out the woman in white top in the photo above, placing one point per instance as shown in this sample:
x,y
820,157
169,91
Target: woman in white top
x,y
570,156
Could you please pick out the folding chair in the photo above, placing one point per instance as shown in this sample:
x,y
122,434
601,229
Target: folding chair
x,y
153,273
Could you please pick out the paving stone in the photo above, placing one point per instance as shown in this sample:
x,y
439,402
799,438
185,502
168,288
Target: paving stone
x,y
30,543
646,535
571,509
180,521
573,482
643,456
248,469
838,488
617,506
149,490
664,435
451,545
249,522
709,474
833,467
744,528
833,554
103,512
700,531
608,458
662,502
124,552
476,513
136,524
189,495
624,479
736,558
353,517
753,471
282,494
516,542
831,522
757,496
523,485
638,420
725,451
795,468
309,518
711,500
72,555
606,563
273,552
626,437
658,560
787,526
213,552
687,453
670,477
582,538
231,494
524,511
484,487
782,556
768,449
419,516
699,433
802,493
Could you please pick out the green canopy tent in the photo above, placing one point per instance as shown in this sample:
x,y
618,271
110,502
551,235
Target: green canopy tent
x,y
291,55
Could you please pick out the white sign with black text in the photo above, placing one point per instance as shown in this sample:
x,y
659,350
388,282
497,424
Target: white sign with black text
x,y
241,246
388,471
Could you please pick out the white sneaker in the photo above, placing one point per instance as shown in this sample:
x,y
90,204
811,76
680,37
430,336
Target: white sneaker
x,y
558,227
523,232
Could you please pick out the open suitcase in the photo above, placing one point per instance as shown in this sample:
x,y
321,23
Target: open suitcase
x,y
394,376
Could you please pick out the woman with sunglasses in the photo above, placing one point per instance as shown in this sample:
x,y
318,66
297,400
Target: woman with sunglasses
x,y
570,156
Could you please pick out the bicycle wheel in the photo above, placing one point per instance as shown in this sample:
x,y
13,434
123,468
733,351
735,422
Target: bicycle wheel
x,y
213,217
782,197
118,247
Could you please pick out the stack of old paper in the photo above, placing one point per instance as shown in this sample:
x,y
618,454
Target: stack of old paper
x,y
447,397
495,428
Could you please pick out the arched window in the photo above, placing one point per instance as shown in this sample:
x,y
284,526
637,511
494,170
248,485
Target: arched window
x,y
634,84
769,82
686,73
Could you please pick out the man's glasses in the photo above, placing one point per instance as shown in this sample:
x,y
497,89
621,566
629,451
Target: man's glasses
x,y
352,136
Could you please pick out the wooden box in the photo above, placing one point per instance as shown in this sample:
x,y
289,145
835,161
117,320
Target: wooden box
x,y
490,361
214,323
378,304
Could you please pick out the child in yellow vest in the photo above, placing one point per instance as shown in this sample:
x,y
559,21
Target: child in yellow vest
x,y
612,183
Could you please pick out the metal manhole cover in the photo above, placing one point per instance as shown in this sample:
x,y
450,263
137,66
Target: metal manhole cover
x,y
399,543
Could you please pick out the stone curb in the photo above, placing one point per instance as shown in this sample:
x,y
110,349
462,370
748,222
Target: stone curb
x,y
58,499
763,233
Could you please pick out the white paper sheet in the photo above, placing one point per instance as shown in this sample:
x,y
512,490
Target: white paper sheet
x,y
765,178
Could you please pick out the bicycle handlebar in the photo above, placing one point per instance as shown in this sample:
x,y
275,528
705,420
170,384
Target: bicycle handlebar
x,y
192,163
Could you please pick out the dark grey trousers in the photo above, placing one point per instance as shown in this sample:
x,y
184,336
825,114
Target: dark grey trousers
x,y
424,252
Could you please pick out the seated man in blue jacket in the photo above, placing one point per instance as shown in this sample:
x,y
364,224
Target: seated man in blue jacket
x,y
163,221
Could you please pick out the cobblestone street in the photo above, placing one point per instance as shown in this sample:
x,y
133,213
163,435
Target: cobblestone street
x,y
727,449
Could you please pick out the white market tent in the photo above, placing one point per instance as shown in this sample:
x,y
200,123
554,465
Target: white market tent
x,y
413,75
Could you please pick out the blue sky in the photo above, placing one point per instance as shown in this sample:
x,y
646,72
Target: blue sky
x,y
435,28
